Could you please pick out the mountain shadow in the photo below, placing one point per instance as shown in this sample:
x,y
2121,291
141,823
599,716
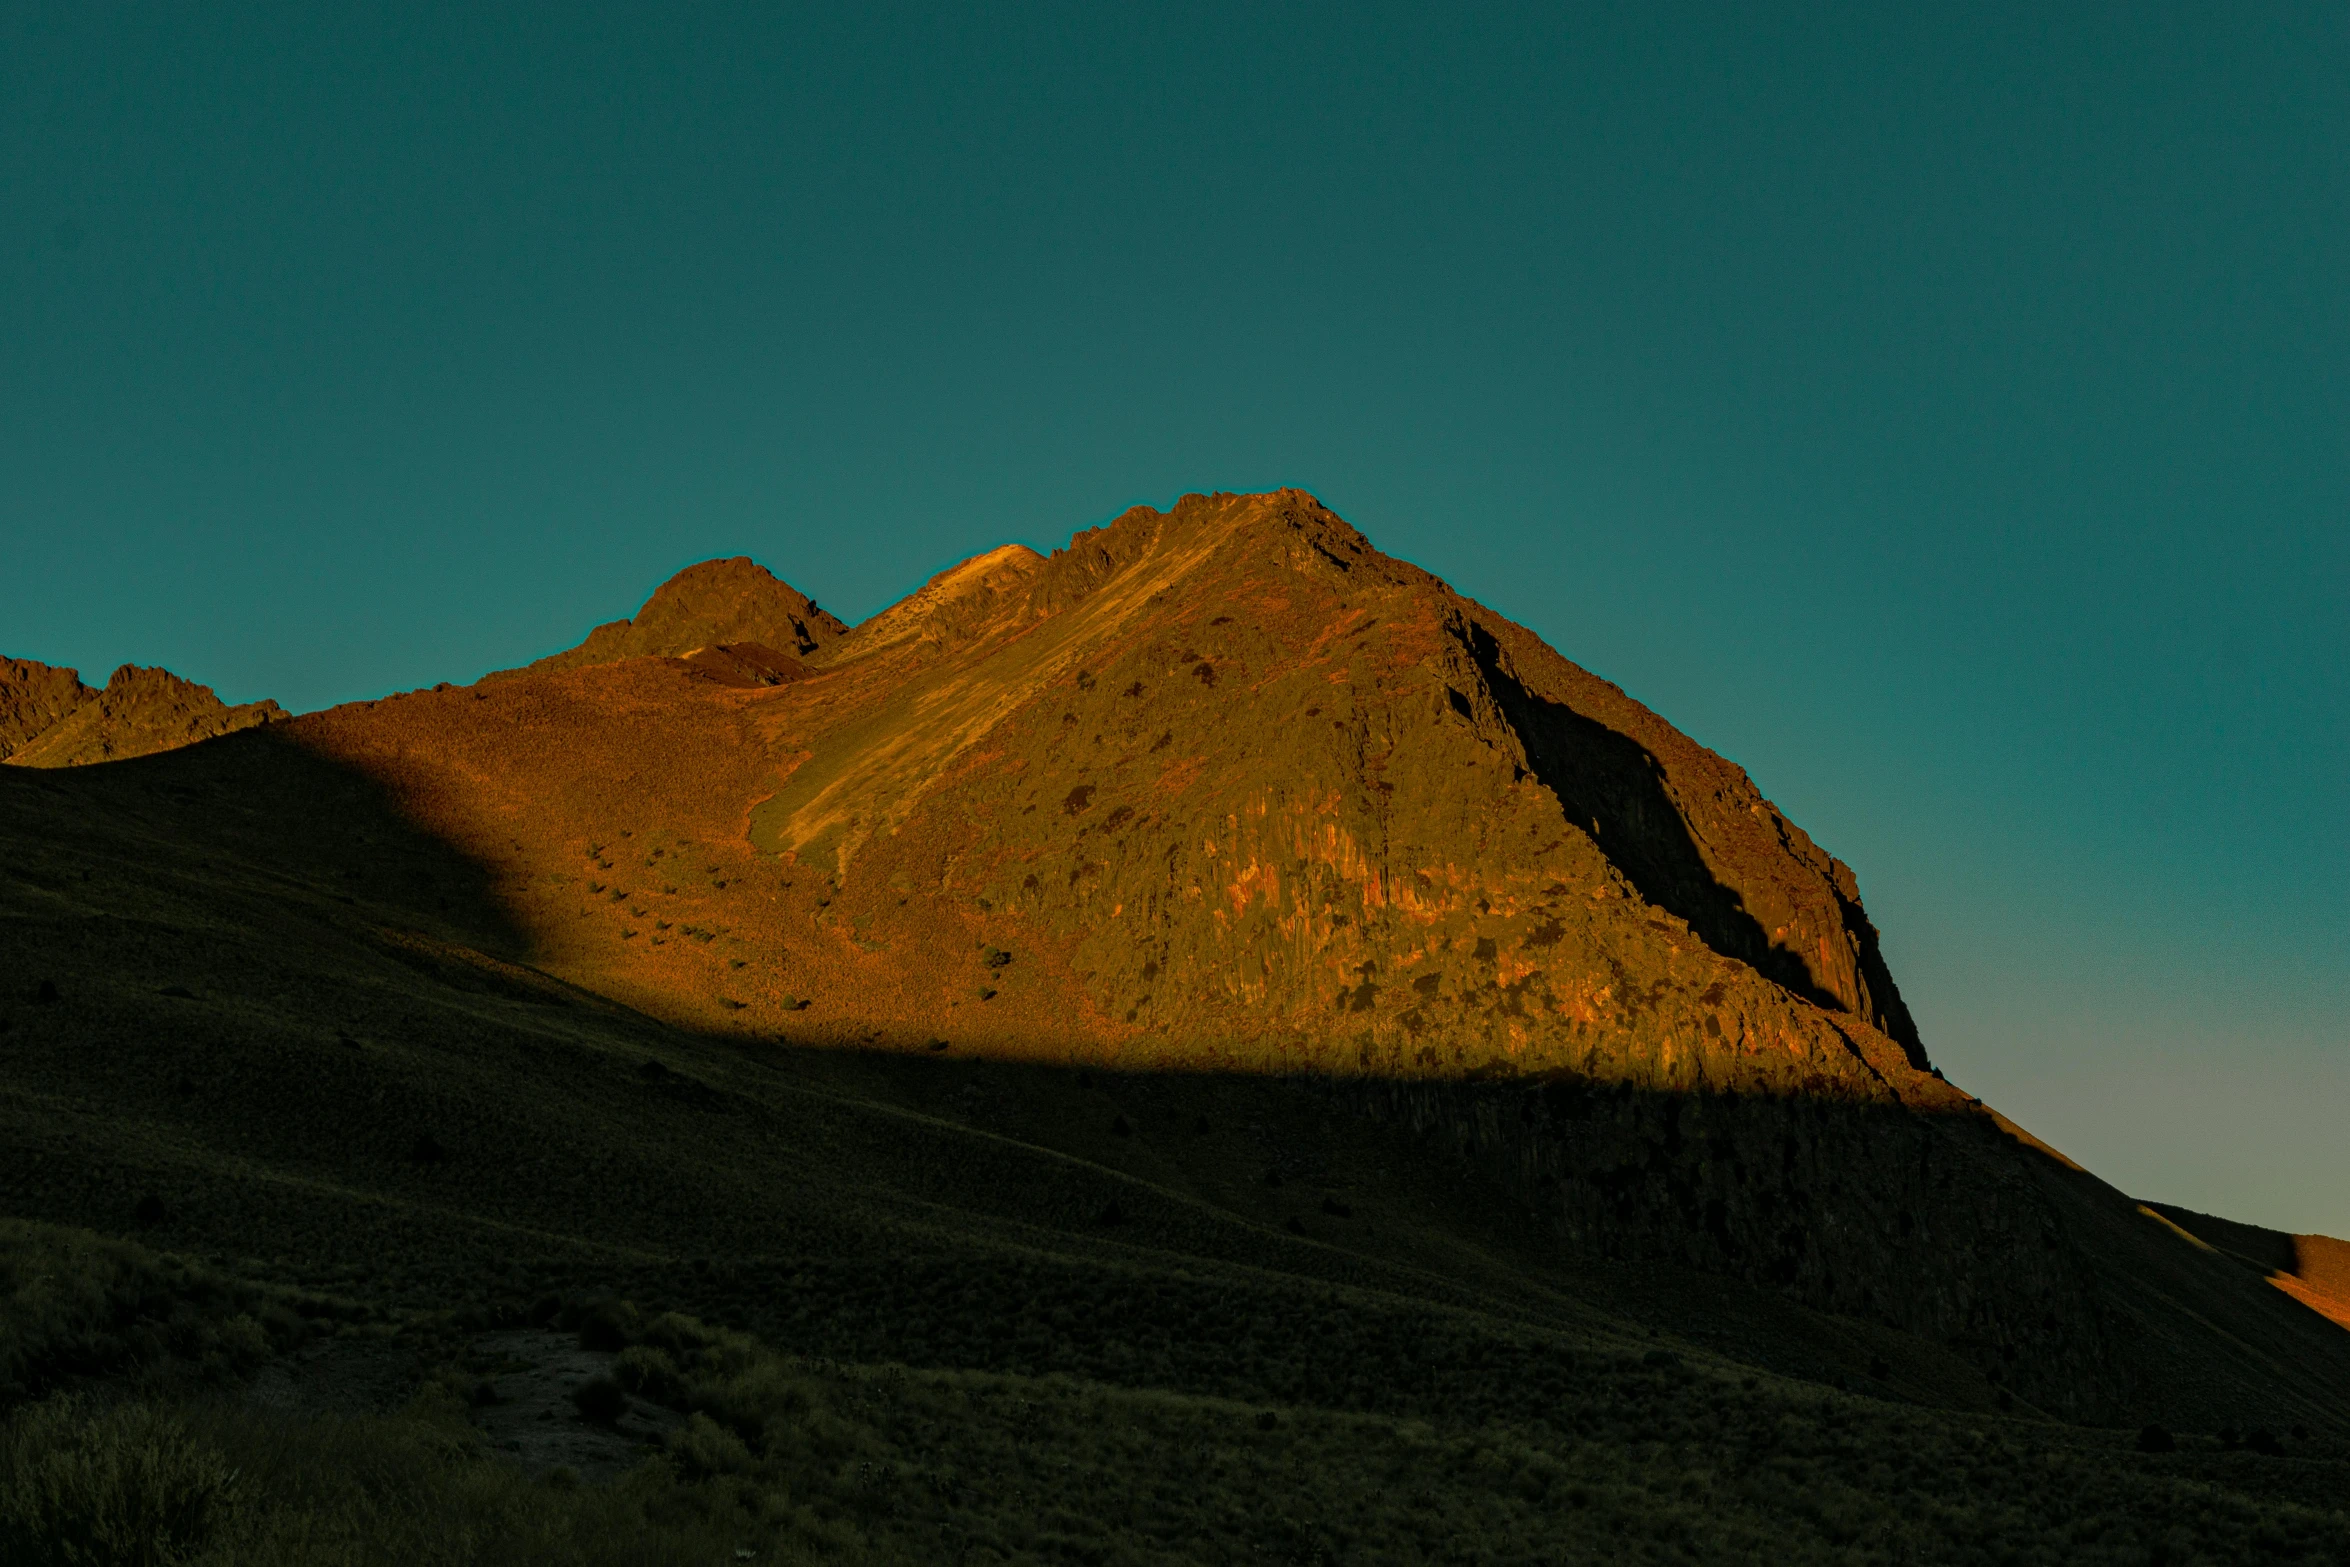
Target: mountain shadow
x,y
1614,787
1611,785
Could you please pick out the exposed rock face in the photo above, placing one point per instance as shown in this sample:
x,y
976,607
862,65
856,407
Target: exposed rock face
x,y
716,602
1286,801
33,697
744,664
948,607
140,712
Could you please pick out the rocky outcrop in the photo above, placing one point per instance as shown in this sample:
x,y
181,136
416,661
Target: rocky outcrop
x,y
32,698
712,604
952,605
140,712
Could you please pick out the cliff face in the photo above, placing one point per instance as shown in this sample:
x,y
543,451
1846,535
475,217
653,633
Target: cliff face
x,y
1230,787
140,712
1281,800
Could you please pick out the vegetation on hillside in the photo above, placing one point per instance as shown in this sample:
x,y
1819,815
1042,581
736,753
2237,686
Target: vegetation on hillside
x,y
155,1454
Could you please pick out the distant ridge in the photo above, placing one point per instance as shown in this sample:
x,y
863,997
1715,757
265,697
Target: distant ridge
x,y
48,718
32,698
2313,1269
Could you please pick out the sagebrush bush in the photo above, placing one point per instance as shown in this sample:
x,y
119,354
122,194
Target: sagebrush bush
x,y
75,1305
122,1487
649,1373
704,1447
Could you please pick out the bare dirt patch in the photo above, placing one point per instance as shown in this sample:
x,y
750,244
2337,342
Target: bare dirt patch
x,y
525,1409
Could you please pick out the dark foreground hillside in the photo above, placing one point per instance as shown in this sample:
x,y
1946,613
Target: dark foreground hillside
x,y
327,1197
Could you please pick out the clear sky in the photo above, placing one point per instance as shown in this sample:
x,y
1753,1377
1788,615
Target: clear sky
x,y
1943,411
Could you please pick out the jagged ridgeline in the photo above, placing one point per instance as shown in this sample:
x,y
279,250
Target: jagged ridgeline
x,y
48,718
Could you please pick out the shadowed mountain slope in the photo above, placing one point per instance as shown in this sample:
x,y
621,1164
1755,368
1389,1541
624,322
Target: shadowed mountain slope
x,y
48,718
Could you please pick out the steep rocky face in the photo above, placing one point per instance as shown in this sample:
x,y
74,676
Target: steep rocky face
x,y
714,603
744,664
1284,801
1221,787
32,698
140,712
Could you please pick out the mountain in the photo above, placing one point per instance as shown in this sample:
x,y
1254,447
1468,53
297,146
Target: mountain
x,y
1224,789
1214,958
48,718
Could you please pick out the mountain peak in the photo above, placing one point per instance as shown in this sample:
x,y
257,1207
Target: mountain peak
x,y
710,604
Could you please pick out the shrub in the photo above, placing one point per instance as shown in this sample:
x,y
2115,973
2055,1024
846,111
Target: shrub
x,y
649,1373
677,1333
2154,1439
73,1305
127,1486
704,1447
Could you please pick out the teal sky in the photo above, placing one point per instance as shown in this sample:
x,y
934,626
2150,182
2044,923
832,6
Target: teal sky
x,y
1942,411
